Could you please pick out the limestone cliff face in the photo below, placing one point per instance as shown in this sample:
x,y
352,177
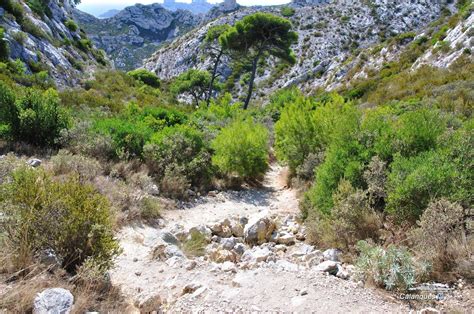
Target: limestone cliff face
x,y
48,41
330,32
136,32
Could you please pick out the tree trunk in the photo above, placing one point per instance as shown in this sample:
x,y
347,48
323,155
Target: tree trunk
x,y
213,77
252,79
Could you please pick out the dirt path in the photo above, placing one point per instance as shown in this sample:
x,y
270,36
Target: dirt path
x,y
199,284
272,198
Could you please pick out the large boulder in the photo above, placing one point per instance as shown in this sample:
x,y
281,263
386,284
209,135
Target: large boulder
x,y
53,301
328,267
259,230
256,255
332,255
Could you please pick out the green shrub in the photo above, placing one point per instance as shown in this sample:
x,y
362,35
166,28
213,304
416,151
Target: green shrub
x,y
179,158
393,268
13,7
4,50
241,149
351,219
150,209
71,25
69,218
29,27
128,137
287,11
417,131
295,133
8,109
40,7
414,181
279,100
146,77
345,157
35,118
308,127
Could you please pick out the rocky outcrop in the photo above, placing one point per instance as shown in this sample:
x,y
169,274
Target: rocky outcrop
x,y
45,42
458,41
136,32
329,32
55,300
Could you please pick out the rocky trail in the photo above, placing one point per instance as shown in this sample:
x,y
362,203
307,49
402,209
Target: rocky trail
x,y
255,259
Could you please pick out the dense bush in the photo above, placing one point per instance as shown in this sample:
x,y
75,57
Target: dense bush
x,y
242,149
35,117
295,133
146,77
440,236
68,218
179,157
393,268
414,182
128,137
351,220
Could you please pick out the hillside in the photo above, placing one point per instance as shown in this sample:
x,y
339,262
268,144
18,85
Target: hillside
x,y
329,35
316,157
135,32
47,40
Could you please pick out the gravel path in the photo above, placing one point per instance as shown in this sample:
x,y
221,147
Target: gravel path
x,y
280,286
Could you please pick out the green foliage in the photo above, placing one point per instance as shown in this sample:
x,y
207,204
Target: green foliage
x,y
414,182
287,11
13,7
194,82
4,50
128,137
215,32
40,7
242,149
150,209
35,117
68,218
71,25
352,218
279,100
179,153
393,268
146,77
113,90
257,36
295,133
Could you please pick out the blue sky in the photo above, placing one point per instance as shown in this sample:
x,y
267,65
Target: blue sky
x,y
92,7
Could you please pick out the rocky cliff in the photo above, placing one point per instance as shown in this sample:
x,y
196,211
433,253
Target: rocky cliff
x,y
136,32
46,39
330,32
